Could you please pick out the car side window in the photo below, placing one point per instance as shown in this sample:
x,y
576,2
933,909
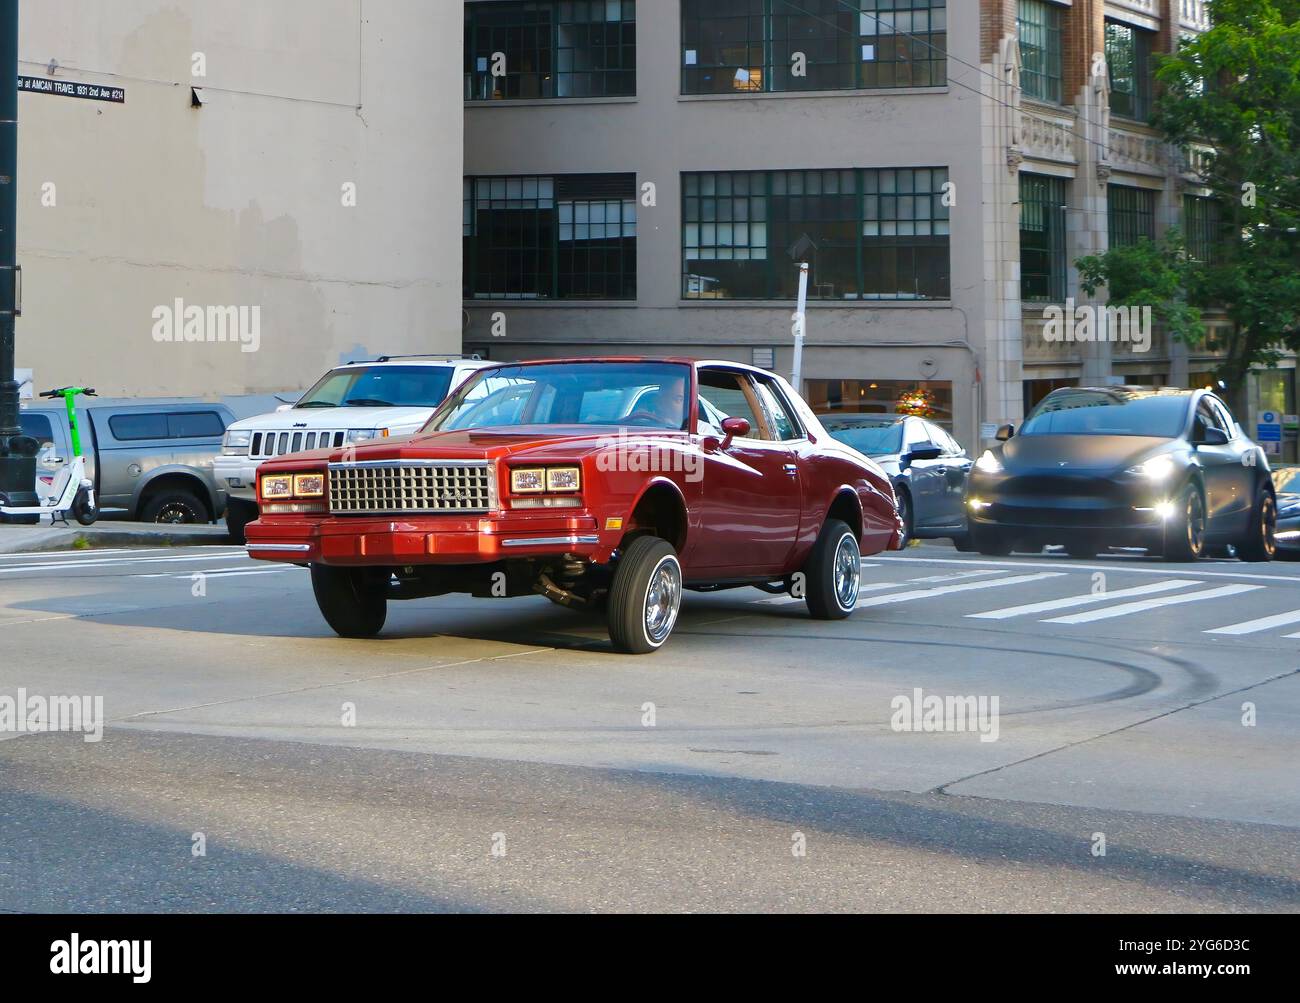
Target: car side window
x,y
784,426
1225,418
38,427
725,393
195,425
1206,419
916,434
134,427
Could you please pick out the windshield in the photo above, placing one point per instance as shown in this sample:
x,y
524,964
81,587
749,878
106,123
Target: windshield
x,y
1108,412
380,386
875,438
1287,480
636,394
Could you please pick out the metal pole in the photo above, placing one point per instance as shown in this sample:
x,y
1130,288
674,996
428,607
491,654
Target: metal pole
x,y
17,471
800,329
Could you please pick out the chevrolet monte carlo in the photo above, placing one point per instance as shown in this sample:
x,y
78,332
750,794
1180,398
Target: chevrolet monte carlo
x,y
603,484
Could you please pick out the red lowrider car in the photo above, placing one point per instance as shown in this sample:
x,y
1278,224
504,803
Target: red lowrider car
x,y
593,483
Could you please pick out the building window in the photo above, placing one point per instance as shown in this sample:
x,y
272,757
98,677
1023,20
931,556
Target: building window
x,y
569,49
1042,238
928,399
739,46
1201,223
564,237
1132,215
866,234
1128,61
1038,24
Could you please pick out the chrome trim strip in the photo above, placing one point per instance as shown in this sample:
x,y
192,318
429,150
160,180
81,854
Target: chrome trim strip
x,y
379,464
280,548
548,541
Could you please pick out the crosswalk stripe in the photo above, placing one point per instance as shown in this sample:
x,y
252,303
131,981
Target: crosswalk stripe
x,y
943,590
788,600
1083,600
1140,607
1263,623
955,576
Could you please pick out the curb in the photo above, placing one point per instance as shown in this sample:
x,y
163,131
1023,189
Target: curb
x,y
78,539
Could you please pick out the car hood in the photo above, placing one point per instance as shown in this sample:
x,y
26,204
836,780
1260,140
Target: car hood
x,y
312,419
542,441
1025,454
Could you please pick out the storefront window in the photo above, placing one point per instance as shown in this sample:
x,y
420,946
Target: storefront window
x,y
929,399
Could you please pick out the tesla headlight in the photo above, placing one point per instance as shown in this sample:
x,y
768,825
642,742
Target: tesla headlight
x,y
528,481
277,486
309,486
561,480
1157,469
988,463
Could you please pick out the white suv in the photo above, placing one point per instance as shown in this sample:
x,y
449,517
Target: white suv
x,y
351,404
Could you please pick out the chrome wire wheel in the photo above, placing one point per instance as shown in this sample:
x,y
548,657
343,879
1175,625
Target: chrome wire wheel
x,y
663,599
848,571
1268,525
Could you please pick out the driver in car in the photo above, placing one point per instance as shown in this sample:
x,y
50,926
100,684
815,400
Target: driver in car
x,y
666,406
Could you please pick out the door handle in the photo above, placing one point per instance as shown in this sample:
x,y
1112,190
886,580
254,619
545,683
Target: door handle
x,y
791,469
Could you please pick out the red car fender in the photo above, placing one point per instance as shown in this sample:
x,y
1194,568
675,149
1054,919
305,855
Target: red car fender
x,y
612,538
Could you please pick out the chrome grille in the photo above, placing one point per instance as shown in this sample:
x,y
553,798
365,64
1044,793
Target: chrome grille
x,y
431,487
266,445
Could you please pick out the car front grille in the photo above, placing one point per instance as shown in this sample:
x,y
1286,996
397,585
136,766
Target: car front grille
x,y
428,487
266,445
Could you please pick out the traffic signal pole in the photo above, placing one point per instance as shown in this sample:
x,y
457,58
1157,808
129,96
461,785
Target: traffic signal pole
x,y
17,469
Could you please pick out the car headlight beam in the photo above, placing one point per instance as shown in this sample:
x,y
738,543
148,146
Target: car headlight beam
x,y
988,463
1157,469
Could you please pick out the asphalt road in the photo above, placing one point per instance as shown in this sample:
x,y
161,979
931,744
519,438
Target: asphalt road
x,y
493,754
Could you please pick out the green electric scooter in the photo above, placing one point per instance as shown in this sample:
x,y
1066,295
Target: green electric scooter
x,y
70,492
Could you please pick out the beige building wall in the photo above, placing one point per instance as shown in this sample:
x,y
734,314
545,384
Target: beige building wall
x,y
239,202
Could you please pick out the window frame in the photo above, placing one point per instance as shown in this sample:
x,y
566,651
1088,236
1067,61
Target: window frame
x,y
1139,46
1049,81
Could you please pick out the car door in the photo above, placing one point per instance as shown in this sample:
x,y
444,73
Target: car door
x,y
748,514
1221,466
926,478
52,436
1244,467
954,466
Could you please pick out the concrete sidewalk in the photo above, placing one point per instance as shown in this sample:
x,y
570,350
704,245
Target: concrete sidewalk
x,y
32,539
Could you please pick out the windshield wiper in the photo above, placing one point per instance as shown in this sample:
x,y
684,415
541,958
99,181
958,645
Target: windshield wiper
x,y
307,404
367,402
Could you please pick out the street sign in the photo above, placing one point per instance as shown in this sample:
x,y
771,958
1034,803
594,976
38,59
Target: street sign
x,y
72,89
1269,427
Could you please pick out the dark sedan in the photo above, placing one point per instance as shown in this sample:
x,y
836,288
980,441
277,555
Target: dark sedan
x,y
925,464
1286,481
1168,470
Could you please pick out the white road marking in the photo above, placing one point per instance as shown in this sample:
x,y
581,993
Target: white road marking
x,y
790,600
1126,566
1127,609
1263,623
943,590
1083,600
241,574
40,555
954,576
113,563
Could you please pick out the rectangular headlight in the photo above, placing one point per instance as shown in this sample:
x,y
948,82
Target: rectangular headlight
x,y
563,479
528,481
277,486
309,486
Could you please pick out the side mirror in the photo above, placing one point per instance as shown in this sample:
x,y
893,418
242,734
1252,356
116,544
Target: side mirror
x,y
1214,437
735,428
1005,433
925,451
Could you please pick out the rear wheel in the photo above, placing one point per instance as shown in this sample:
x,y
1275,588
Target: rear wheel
x,y
353,601
833,572
1185,529
175,507
645,596
1260,542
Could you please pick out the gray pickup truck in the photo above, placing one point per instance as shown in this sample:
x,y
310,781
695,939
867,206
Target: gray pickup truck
x,y
150,461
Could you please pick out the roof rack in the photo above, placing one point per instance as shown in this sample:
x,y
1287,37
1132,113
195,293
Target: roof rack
x,y
432,358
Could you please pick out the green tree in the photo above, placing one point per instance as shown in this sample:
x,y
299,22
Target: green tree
x,y
1232,96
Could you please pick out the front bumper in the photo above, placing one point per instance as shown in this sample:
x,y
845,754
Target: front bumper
x,y
1121,512
237,476
379,542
